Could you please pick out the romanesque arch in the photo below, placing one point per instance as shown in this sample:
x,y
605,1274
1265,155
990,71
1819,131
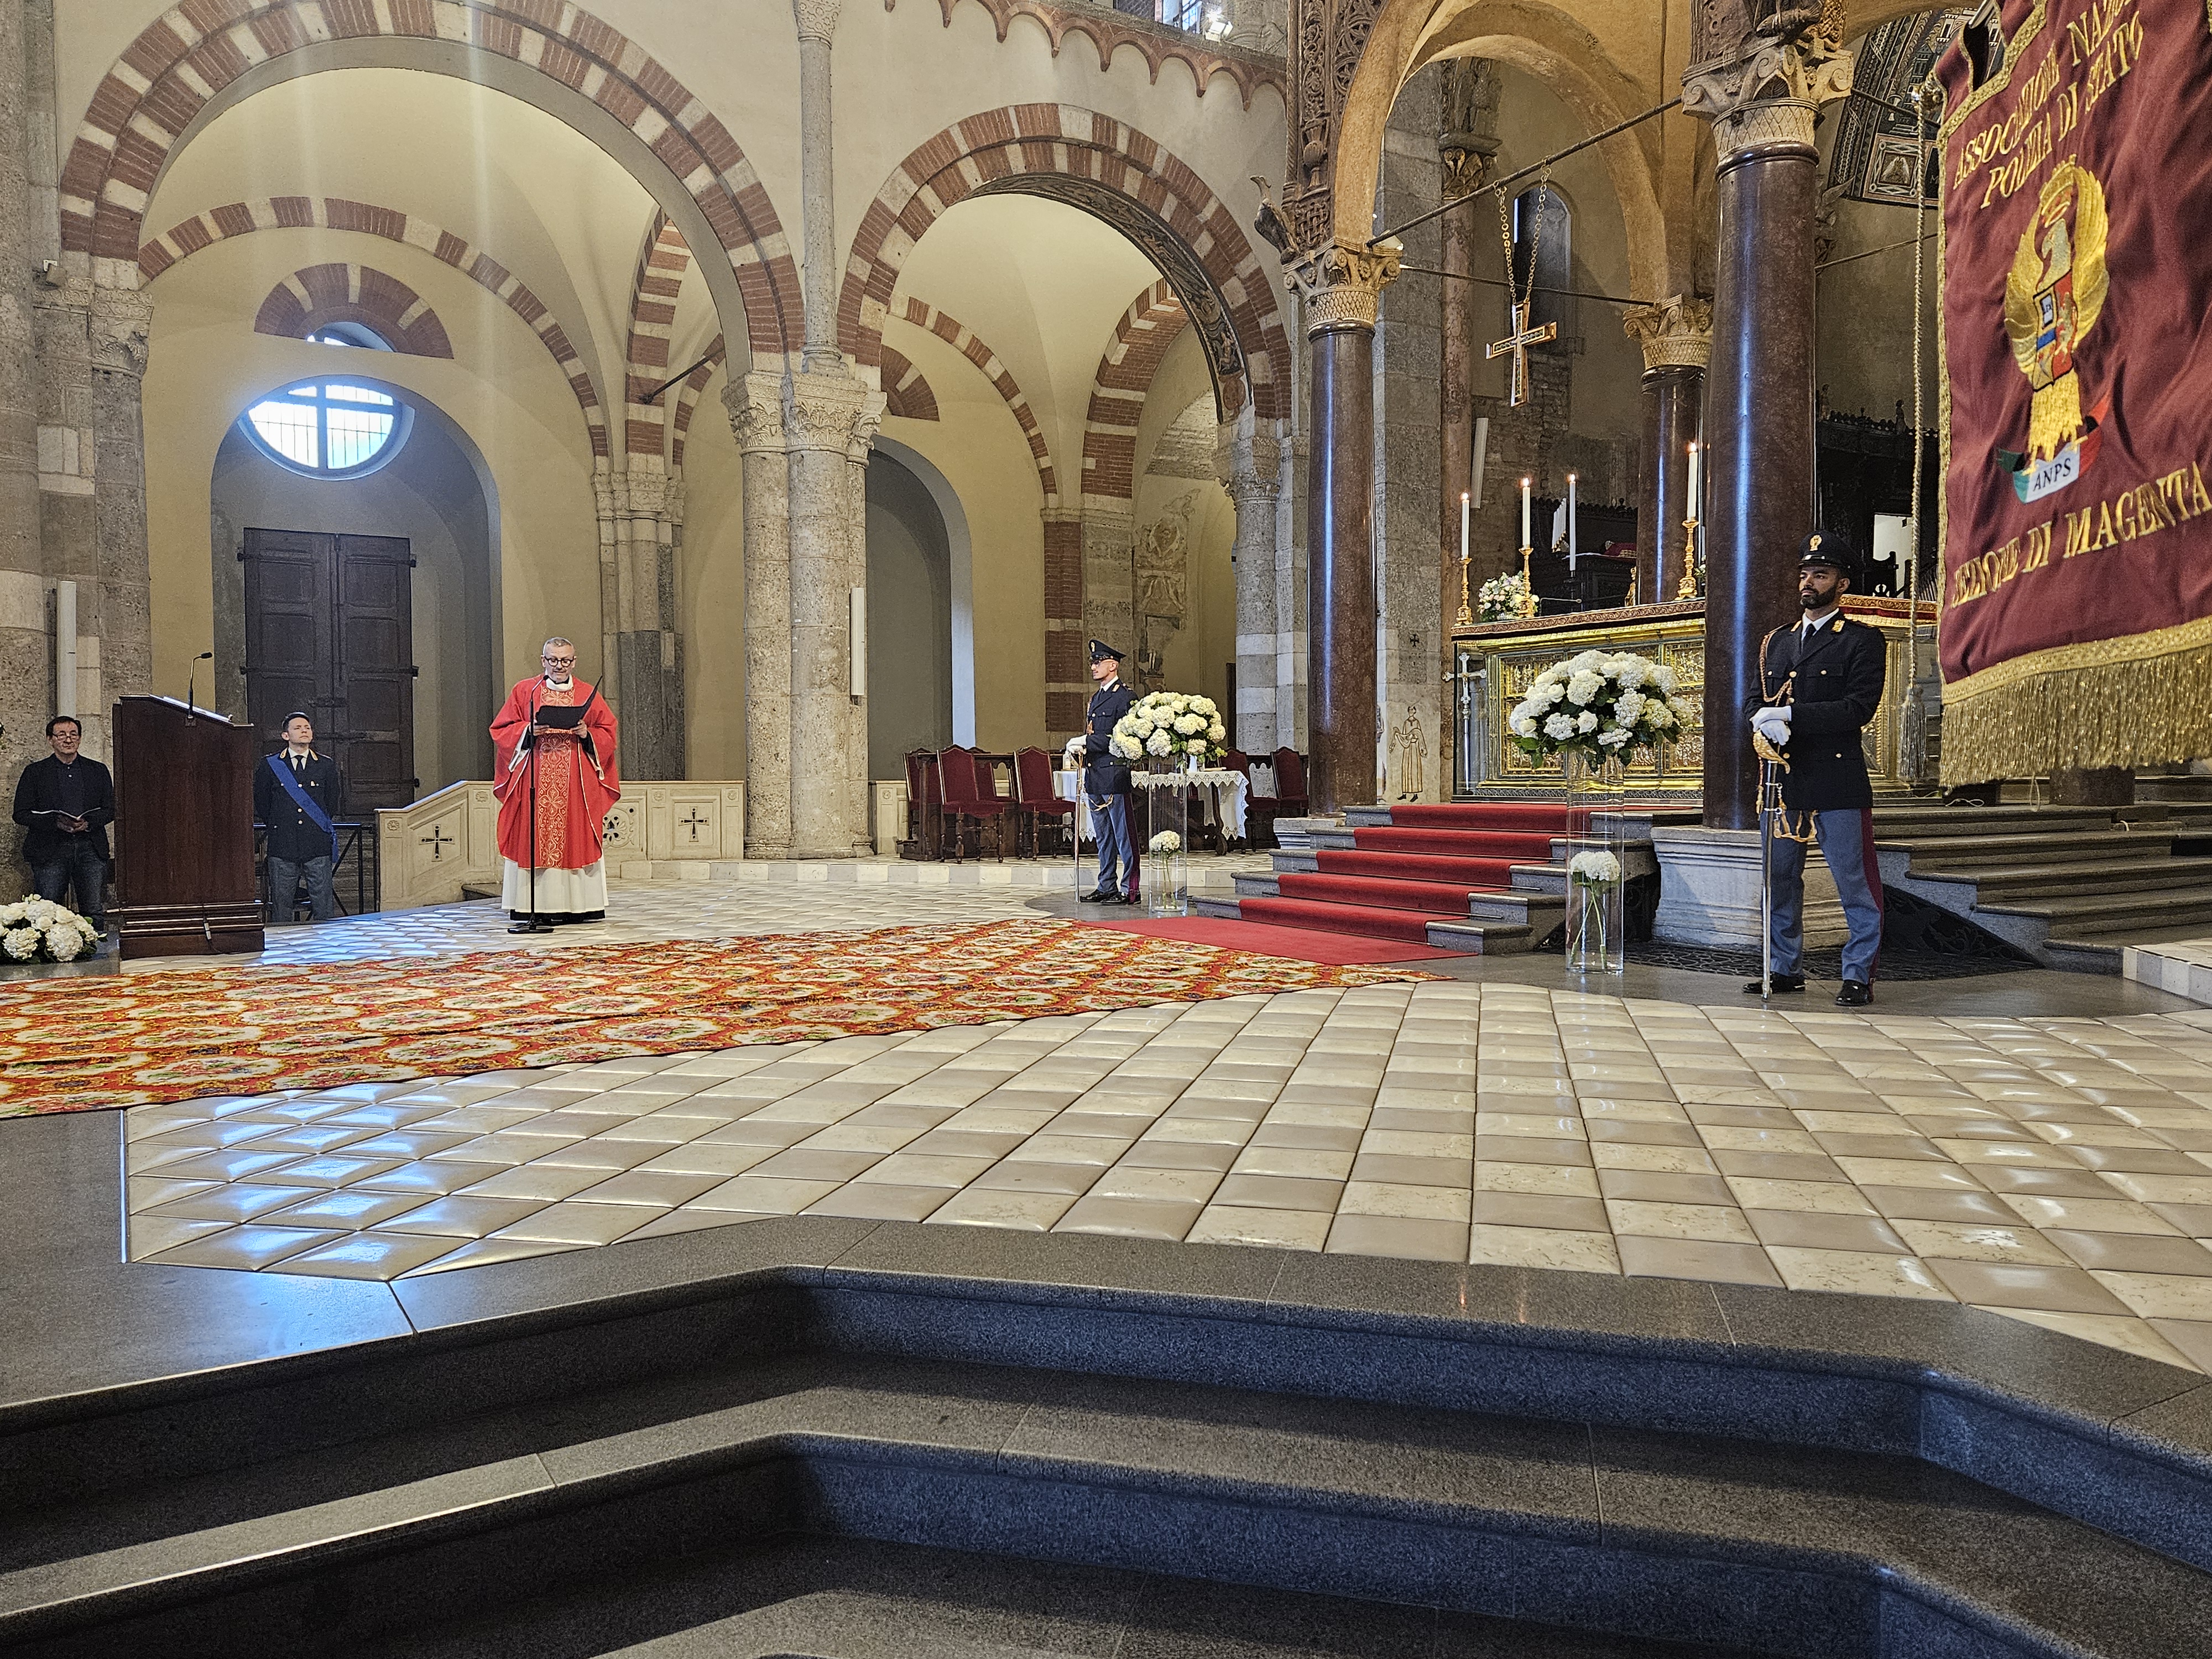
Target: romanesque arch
x,y
1115,173
183,65
188,237
315,296
965,341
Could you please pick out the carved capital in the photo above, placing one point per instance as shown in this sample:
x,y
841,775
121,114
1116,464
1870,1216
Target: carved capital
x,y
818,19
1674,333
122,318
1468,139
648,492
1763,98
1342,285
822,411
755,404
865,428
671,505
1250,465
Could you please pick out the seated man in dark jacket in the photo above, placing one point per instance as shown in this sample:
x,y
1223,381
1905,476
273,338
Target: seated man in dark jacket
x,y
66,803
297,793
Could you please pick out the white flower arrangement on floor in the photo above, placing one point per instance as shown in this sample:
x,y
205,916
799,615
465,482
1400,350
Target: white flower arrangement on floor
x,y
40,930
1167,842
1594,870
1601,703
1501,598
1168,725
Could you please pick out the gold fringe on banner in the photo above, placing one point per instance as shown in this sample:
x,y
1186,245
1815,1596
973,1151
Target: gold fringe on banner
x,y
2132,702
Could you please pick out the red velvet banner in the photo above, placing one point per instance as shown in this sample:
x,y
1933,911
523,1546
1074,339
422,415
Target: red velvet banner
x,y
2077,342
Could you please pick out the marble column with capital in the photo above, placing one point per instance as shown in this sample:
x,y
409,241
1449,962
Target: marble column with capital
x,y
648,650
829,753
1340,285
24,671
1676,336
1762,94
1250,464
755,403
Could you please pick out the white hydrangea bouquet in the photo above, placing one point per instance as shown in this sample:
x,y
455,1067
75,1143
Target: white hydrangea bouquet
x,y
1602,704
40,930
1501,598
1168,725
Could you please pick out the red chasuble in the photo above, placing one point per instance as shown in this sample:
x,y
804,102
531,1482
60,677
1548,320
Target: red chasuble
x,y
575,787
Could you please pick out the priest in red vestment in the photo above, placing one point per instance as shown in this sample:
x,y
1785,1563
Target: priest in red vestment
x,y
577,782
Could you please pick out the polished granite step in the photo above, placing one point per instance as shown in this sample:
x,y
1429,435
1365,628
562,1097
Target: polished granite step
x,y
1648,1458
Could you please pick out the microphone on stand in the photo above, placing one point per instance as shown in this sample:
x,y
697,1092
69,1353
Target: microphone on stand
x,y
192,680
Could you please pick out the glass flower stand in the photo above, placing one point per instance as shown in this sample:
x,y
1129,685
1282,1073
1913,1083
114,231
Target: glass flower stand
x,y
1596,859
1163,841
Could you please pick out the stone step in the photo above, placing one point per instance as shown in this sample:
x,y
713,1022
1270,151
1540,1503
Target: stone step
x,y
551,1461
1536,910
1922,821
2094,875
1968,852
2097,913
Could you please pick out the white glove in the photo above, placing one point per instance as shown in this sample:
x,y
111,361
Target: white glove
x,y
1773,725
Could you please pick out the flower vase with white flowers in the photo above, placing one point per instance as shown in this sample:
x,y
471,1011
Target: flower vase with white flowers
x,y
1501,598
1169,725
1602,704
40,930
1594,919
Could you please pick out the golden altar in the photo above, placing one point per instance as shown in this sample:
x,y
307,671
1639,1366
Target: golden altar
x,y
1493,663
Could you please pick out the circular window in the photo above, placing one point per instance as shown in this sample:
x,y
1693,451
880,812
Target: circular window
x,y
329,428
350,334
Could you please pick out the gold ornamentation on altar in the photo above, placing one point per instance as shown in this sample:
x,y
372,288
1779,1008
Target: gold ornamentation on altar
x,y
1528,584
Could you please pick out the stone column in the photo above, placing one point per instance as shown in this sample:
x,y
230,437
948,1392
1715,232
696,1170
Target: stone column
x,y
1250,464
1066,675
1341,285
610,497
1677,338
755,404
818,24
648,653
828,724
24,671
1762,100
857,447
122,318
1467,142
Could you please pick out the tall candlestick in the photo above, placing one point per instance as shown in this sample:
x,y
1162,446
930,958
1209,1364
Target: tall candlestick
x,y
1466,619
1693,481
1526,539
1462,526
1570,523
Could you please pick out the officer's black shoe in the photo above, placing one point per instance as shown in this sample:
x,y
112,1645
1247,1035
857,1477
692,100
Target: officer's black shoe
x,y
1855,994
1101,896
1779,983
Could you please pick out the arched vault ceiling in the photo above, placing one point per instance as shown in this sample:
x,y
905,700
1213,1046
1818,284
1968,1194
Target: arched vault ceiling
x,y
1044,284
558,211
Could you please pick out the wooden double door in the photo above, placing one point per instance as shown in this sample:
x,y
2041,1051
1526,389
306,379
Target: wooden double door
x,y
329,629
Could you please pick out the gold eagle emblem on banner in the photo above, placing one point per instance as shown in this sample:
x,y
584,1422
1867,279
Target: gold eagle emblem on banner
x,y
2053,295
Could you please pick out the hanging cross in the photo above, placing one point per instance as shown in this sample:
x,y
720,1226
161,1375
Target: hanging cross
x,y
437,840
1517,345
694,823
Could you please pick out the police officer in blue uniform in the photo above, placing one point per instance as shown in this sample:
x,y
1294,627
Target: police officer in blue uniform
x,y
1820,681
1106,781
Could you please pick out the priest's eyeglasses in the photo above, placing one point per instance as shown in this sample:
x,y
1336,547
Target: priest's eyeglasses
x,y
558,662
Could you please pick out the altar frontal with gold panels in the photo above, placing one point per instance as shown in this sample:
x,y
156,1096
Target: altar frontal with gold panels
x,y
1494,663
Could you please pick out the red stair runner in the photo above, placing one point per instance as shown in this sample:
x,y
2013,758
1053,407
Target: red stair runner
x,y
1457,843
1474,873
1443,898
1412,926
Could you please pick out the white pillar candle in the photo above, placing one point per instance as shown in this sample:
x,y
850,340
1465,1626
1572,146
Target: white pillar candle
x,y
1693,481
1570,521
1462,526
1525,540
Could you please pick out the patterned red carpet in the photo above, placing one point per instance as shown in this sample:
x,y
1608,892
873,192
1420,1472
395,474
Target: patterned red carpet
x,y
73,1045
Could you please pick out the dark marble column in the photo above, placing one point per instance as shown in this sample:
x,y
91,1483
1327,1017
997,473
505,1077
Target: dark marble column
x,y
1671,396
1341,286
1759,426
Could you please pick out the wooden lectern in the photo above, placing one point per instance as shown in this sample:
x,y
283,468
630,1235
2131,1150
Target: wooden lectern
x,y
184,830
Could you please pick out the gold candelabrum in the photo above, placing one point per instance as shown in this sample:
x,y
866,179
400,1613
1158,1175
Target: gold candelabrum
x,y
1688,587
1466,619
1528,584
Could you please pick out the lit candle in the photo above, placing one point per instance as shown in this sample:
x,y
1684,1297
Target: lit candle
x,y
1570,521
1462,526
1526,540
1693,481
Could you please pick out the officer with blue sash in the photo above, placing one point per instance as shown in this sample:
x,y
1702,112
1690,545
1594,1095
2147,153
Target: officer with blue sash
x,y
297,793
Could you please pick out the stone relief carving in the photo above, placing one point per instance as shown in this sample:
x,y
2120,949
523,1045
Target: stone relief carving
x,y
1163,572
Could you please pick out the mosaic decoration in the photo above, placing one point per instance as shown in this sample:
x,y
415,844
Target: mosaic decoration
x,y
1876,153
86,1044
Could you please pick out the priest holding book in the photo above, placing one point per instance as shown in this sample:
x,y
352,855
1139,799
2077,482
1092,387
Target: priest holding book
x,y
555,777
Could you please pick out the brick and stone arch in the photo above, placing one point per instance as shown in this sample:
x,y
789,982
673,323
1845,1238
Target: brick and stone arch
x,y
204,230
1153,322
906,391
965,341
1114,172
653,291
200,52
315,297
687,400
1108,33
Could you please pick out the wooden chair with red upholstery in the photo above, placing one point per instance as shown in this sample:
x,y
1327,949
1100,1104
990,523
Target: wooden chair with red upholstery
x,y
924,807
967,795
1034,800
1289,800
